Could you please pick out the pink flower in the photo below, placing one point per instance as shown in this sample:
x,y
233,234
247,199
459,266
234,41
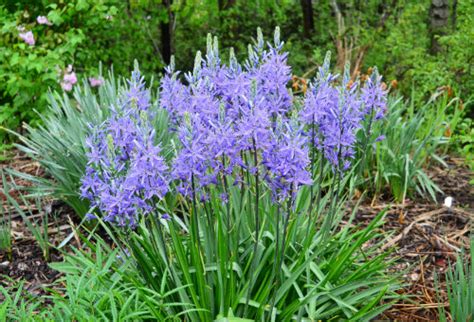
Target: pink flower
x,y
96,82
42,20
28,37
66,86
70,78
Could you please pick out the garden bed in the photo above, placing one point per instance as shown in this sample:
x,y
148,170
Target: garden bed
x,y
426,237
27,262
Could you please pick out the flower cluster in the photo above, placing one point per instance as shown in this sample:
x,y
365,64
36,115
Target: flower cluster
x,y
227,111
96,81
27,36
125,172
42,20
228,120
287,161
334,113
374,97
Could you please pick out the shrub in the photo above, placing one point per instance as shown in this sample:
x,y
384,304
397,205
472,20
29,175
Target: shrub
x,y
52,44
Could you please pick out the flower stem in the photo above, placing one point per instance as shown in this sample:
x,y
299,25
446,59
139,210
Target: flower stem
x,y
257,224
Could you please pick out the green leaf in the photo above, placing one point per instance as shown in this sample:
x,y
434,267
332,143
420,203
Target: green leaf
x,y
82,5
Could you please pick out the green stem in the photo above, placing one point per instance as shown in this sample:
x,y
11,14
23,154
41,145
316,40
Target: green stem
x,y
257,224
312,184
366,143
281,256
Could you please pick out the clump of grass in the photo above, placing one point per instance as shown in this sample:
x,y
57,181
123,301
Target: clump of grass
x,y
5,231
460,288
413,138
58,145
38,228
5,237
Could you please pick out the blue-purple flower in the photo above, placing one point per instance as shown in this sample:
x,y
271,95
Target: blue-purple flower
x,y
334,113
287,162
125,171
228,122
374,97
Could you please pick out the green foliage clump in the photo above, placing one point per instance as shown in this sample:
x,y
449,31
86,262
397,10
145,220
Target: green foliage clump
x,y
463,140
95,287
253,256
413,138
59,144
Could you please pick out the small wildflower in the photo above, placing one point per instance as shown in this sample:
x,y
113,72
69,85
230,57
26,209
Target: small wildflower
x,y
224,197
96,82
66,86
28,37
42,20
69,79
90,216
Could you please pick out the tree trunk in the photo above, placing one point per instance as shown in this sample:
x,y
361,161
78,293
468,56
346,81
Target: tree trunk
x,y
439,21
166,28
454,14
308,20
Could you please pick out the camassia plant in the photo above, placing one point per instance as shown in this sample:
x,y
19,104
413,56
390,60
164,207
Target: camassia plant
x,y
239,211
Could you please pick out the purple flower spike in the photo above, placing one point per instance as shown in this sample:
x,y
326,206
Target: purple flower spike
x,y
125,172
337,112
229,122
287,162
374,97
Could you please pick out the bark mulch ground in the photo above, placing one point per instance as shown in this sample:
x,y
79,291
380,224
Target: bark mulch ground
x,y
26,261
426,237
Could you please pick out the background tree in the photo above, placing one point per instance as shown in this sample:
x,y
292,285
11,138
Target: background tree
x,y
166,28
308,18
439,21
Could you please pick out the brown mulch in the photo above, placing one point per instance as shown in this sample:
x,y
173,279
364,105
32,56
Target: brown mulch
x,y
426,237
26,262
